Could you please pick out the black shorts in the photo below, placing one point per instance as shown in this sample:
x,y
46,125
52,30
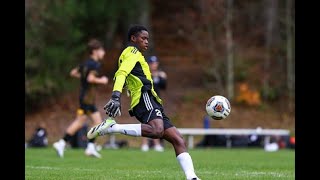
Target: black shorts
x,y
149,109
86,109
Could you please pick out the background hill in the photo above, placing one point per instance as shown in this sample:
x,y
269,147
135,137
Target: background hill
x,y
190,39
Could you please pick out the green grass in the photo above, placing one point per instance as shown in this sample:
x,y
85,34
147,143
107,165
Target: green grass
x,y
215,163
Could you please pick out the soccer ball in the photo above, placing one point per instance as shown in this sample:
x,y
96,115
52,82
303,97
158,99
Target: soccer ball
x,y
218,107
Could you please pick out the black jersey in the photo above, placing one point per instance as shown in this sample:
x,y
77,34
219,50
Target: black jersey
x,y
87,90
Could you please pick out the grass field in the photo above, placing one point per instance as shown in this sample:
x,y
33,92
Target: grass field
x,y
216,163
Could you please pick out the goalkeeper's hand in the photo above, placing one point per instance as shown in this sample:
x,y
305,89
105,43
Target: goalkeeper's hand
x,y
113,107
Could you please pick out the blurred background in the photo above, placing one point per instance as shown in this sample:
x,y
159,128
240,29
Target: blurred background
x,y
243,50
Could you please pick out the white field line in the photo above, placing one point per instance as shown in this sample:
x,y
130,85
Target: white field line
x,y
250,174
58,169
261,173
85,169
239,174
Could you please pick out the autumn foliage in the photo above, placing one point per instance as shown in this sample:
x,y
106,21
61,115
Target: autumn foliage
x,y
248,96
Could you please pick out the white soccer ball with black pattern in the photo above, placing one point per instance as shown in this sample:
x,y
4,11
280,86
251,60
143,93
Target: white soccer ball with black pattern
x,y
218,107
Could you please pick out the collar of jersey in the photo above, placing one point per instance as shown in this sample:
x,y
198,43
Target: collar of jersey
x,y
132,44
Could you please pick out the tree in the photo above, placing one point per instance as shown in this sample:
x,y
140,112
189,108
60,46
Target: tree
x,y
56,33
52,43
230,54
290,54
271,12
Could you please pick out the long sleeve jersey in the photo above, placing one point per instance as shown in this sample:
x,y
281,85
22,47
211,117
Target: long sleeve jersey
x,y
134,73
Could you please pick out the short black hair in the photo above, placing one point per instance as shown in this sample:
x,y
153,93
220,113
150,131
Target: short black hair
x,y
134,29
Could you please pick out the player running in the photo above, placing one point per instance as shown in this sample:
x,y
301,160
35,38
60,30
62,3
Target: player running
x,y
88,73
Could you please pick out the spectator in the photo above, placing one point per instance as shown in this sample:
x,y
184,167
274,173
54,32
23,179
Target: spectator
x,y
159,78
39,138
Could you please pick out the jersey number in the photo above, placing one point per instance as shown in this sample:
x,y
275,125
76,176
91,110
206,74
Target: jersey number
x,y
158,112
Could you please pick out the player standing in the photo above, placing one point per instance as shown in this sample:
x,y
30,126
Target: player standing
x,y
159,78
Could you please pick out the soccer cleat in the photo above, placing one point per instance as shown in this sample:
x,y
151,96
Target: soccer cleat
x,y
158,148
145,148
91,151
101,129
59,147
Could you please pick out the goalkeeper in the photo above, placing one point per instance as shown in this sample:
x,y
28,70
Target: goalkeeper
x,y
134,74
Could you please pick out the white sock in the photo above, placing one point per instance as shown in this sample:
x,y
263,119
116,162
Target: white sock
x,y
62,141
186,164
126,129
90,145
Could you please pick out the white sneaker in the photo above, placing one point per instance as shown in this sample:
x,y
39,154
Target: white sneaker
x,y
91,151
158,148
145,147
59,146
101,129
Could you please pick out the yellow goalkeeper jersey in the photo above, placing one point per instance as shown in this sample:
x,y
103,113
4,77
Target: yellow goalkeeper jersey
x,y
134,74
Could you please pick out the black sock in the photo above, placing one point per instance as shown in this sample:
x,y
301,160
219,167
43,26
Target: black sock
x,y
67,137
92,140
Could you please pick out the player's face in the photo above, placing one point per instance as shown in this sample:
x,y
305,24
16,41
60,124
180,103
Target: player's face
x,y
153,66
141,40
100,53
